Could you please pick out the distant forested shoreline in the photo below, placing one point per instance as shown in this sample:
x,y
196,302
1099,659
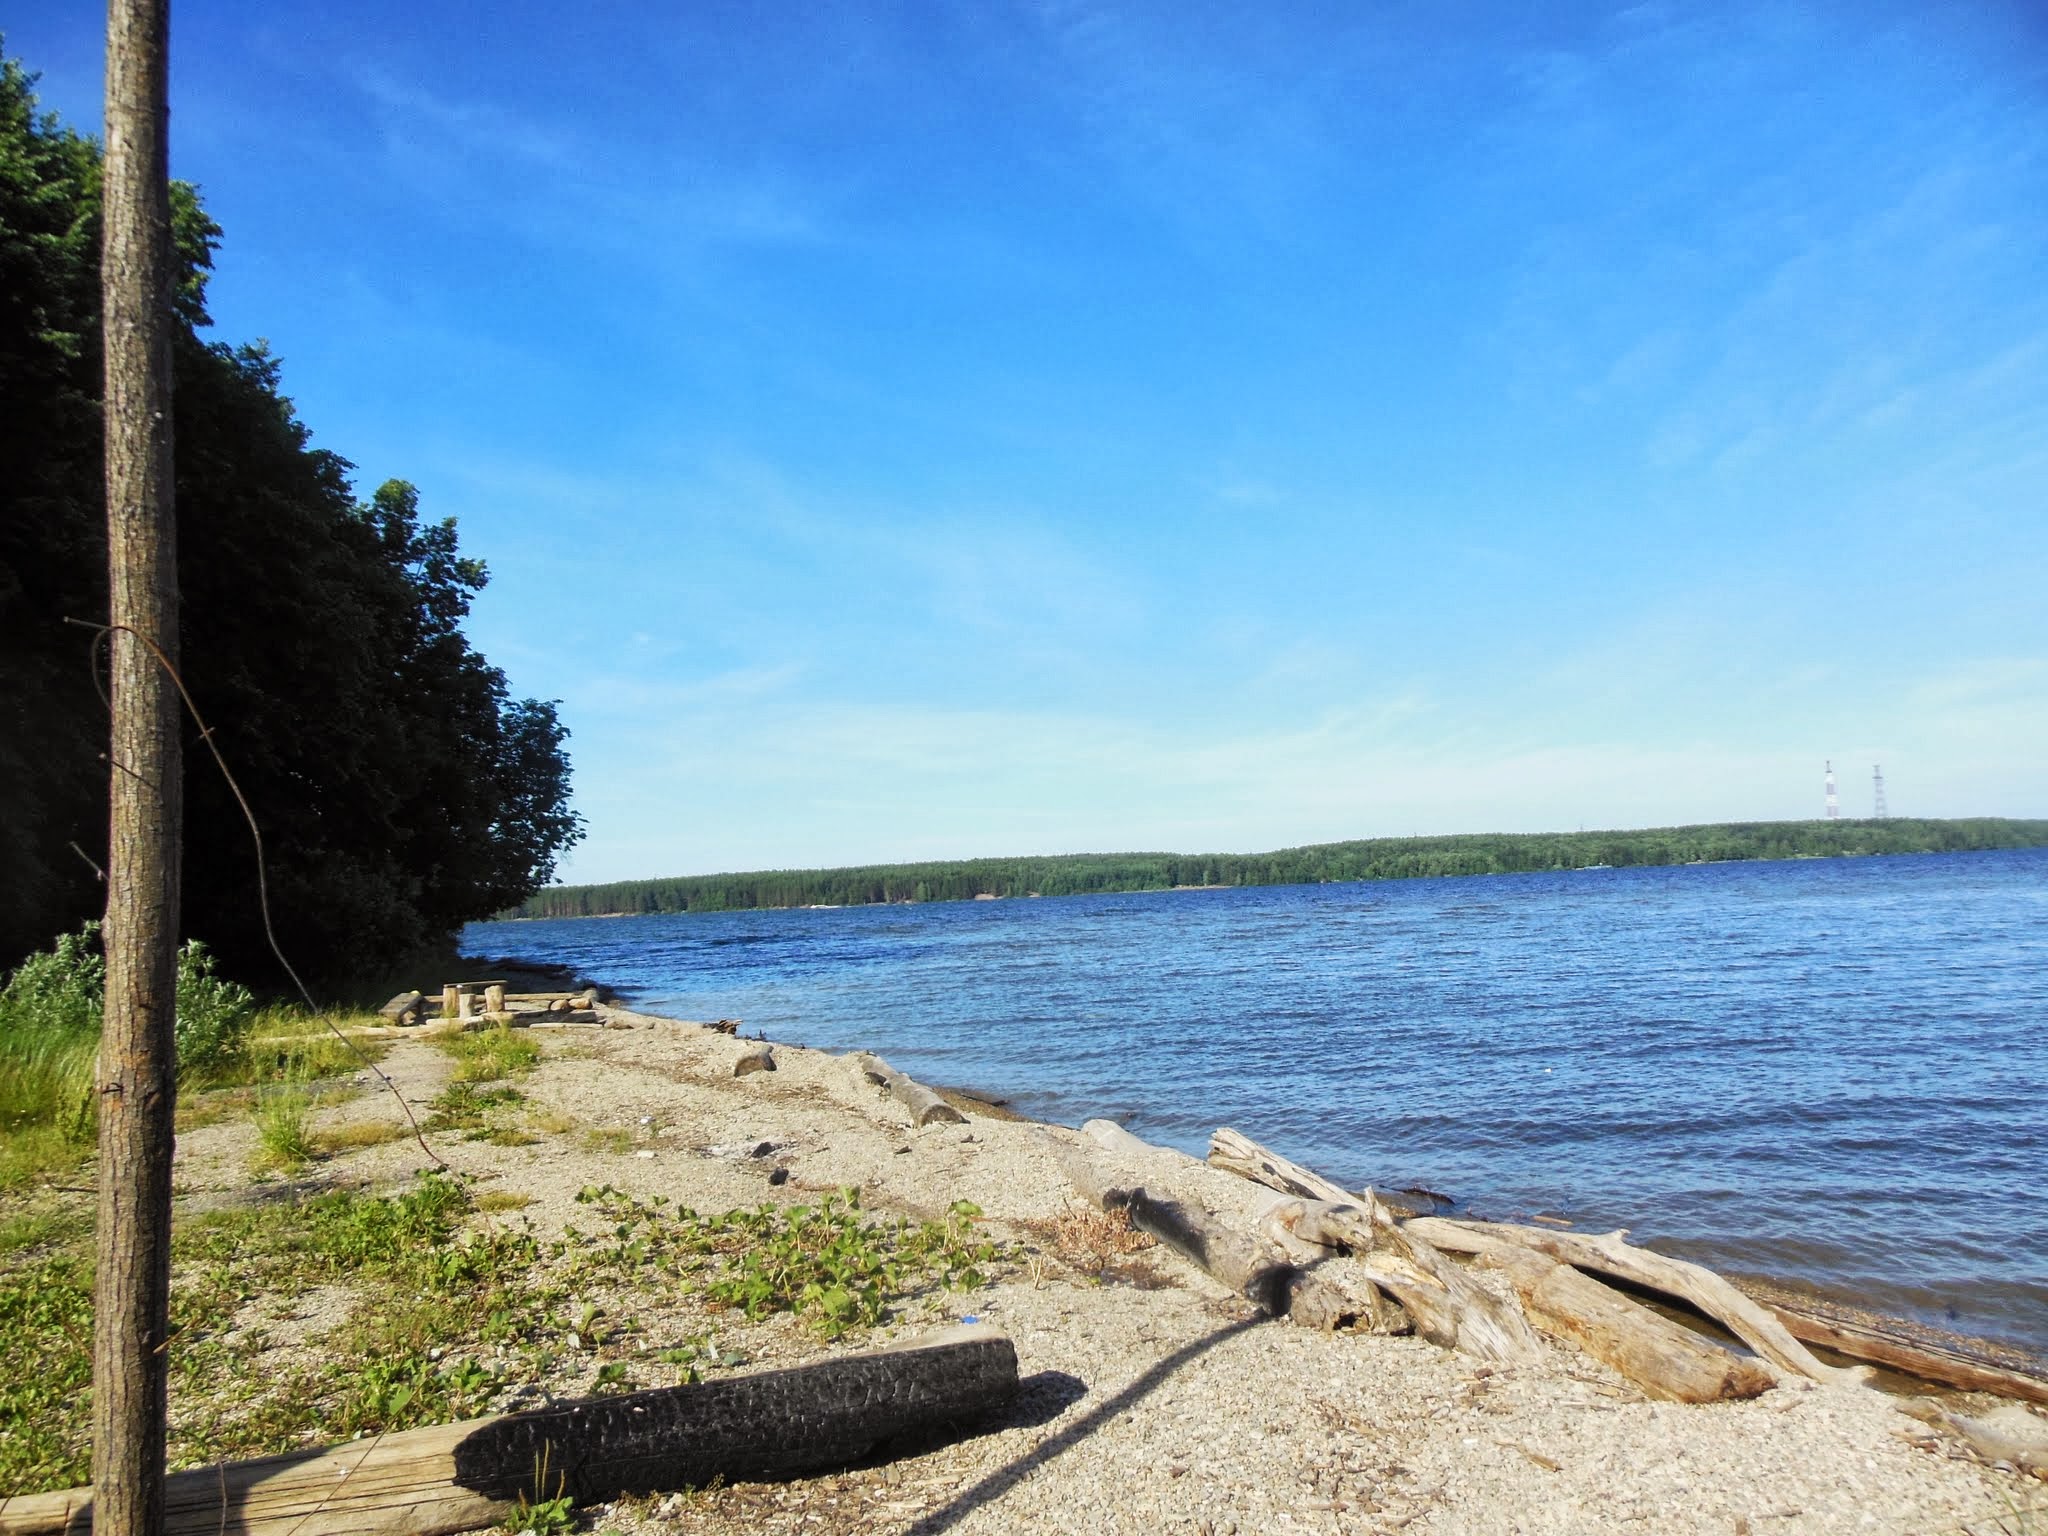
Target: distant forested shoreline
x,y
1382,858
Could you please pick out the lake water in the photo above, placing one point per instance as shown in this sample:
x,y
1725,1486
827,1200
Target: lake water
x,y
1833,1071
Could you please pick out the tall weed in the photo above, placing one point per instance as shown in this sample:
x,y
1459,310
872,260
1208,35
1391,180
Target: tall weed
x,y
49,1034
50,1011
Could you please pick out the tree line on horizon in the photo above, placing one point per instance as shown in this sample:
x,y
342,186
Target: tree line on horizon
x,y
1386,858
401,788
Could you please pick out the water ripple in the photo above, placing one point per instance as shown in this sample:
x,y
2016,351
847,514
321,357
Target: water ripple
x,y
1824,1070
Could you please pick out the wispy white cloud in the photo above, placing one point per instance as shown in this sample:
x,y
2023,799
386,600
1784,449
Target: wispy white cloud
x,y
419,122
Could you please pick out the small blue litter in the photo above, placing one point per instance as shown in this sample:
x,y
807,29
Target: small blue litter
x,y
970,1318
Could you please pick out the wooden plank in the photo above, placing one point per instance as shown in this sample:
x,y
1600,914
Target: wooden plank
x,y
390,1485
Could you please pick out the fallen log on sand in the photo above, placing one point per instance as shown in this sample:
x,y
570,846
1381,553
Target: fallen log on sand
x,y
1448,1306
456,1477
1610,1255
1872,1342
925,1106
1237,1153
1254,1268
1661,1357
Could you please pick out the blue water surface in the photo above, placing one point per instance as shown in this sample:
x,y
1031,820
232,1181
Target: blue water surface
x,y
1831,1071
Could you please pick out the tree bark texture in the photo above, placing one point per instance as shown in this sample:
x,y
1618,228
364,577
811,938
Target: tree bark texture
x,y
137,1075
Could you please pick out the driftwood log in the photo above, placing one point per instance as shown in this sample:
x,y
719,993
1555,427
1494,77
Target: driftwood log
x,y
1237,1153
1244,1261
926,1107
1661,1357
456,1477
1610,1255
1448,1306
1873,1343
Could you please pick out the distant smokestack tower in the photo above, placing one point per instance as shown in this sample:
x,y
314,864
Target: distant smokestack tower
x,y
1877,806
1833,801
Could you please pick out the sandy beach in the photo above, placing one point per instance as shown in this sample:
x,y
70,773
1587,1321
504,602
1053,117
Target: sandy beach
x,y
1153,1399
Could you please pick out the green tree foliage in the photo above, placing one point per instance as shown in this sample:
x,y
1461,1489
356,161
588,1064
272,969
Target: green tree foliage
x,y
401,790
1389,858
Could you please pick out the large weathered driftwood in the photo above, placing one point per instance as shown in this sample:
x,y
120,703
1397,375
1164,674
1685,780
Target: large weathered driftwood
x,y
925,1106
1874,1344
457,1477
1449,1307
1609,1255
1237,1153
1245,1261
1664,1359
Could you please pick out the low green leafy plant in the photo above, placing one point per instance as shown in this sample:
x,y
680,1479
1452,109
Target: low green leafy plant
x,y
474,1111
825,1263
542,1514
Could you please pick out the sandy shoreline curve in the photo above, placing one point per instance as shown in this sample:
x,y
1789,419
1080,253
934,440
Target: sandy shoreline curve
x,y
1153,1399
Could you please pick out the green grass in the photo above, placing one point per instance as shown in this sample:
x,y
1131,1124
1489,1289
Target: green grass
x,y
447,1316
284,1130
290,1043
487,1055
49,1035
827,1264
476,1112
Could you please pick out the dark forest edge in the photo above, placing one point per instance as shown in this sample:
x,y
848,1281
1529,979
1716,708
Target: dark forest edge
x,y
402,788
1385,858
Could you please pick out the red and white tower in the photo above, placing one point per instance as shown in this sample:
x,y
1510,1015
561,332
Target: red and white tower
x,y
1834,804
1878,809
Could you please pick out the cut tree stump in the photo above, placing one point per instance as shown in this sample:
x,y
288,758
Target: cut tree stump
x,y
458,1477
1691,1283
926,1107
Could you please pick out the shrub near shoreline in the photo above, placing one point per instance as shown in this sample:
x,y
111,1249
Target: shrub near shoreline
x,y
50,1013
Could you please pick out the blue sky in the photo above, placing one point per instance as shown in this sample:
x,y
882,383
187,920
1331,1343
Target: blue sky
x,y
956,429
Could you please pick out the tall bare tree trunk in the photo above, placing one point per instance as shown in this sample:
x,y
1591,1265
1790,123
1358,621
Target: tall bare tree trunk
x,y
137,1070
